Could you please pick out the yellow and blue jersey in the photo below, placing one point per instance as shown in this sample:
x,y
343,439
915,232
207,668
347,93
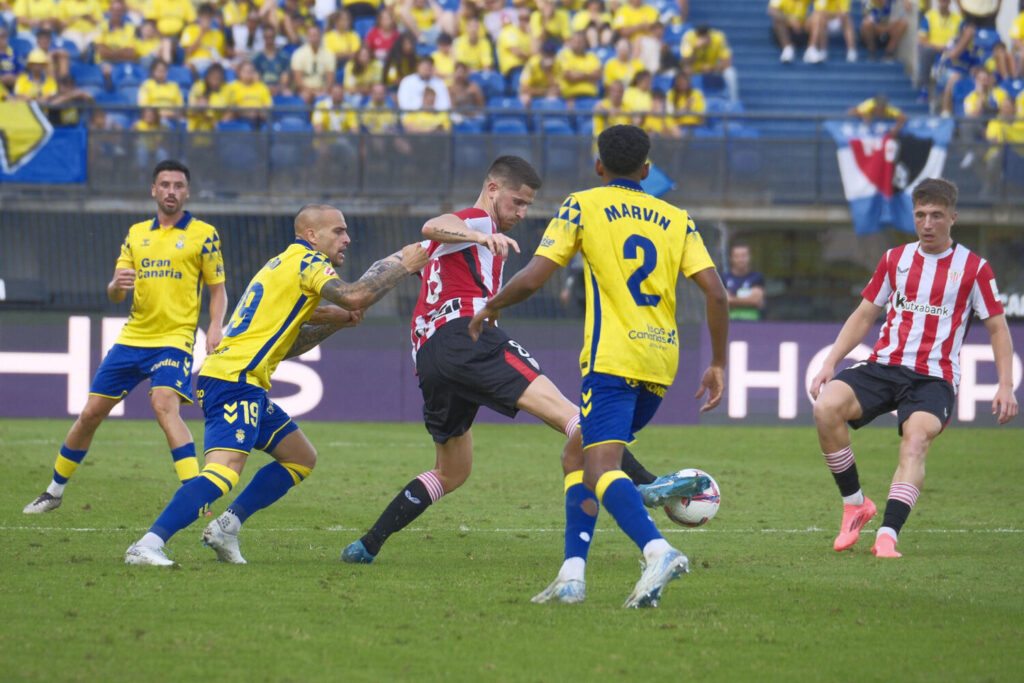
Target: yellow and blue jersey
x,y
634,246
280,297
171,264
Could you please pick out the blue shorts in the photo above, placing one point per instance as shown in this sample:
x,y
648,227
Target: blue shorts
x,y
125,366
614,408
240,417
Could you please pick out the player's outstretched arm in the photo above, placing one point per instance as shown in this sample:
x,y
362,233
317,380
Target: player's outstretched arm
x,y
218,308
325,321
120,284
1004,404
450,229
519,288
853,332
378,280
717,307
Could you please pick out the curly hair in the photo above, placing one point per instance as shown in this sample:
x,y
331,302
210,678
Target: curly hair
x,y
623,149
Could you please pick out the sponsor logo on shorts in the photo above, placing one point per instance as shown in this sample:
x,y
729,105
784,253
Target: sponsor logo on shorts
x,y
165,363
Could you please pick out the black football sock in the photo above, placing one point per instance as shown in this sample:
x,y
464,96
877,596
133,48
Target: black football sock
x,y
634,470
400,512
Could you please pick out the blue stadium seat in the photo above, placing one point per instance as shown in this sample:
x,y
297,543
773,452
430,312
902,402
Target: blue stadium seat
x,y
450,5
604,52
363,25
961,89
292,124
288,106
491,83
74,54
583,108
556,126
87,75
585,126
423,50
229,75
662,82
468,125
180,75
548,109
673,35
127,74
120,118
21,47
1014,87
130,93
512,81
507,103
234,126
508,125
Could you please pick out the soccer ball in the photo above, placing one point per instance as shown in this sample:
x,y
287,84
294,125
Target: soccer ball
x,y
698,509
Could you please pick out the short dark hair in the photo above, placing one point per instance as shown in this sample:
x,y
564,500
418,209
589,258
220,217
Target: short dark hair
x,y
623,149
513,172
935,191
171,165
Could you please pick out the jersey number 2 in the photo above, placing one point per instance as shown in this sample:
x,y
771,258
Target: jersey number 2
x,y
650,261
245,310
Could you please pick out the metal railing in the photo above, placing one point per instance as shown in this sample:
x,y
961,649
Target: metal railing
x,y
751,159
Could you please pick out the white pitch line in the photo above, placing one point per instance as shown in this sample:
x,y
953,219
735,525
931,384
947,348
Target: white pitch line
x,y
464,529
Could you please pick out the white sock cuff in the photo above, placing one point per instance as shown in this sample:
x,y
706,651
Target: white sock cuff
x,y
433,485
888,531
572,425
904,492
840,461
572,569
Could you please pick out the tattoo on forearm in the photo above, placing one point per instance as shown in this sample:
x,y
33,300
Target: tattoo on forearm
x,y
378,280
310,336
461,236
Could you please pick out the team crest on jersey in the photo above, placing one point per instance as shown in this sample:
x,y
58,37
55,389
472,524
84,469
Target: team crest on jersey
x,y
240,436
180,244
955,275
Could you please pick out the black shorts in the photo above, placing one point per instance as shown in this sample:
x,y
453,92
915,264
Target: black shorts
x,y
987,21
458,375
883,388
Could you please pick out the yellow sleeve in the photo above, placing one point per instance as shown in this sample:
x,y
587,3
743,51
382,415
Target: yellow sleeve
x,y
695,254
49,87
563,236
189,35
866,106
319,273
21,86
686,48
993,131
144,93
125,260
213,259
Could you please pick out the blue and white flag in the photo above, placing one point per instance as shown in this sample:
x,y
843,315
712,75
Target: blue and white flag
x,y
880,172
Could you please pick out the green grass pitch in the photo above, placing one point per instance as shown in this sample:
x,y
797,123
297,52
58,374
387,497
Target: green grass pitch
x,y
448,599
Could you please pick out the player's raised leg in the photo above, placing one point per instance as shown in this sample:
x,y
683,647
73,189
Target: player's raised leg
x,y
919,430
453,466
294,460
72,452
836,405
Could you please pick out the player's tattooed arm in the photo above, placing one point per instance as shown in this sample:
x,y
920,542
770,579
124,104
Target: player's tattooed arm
x,y
333,319
378,280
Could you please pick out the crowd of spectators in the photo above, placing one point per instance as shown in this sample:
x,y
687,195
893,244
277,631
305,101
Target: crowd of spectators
x,y
241,62
334,64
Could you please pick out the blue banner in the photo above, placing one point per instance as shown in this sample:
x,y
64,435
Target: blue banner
x,y
33,151
880,171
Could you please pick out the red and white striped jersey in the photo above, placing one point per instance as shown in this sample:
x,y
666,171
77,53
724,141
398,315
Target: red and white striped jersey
x,y
458,281
929,299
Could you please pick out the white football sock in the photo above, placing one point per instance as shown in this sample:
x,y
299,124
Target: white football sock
x,y
151,540
56,490
229,522
854,498
656,547
573,569
888,531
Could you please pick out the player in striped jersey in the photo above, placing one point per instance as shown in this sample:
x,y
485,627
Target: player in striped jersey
x,y
456,375
928,290
268,325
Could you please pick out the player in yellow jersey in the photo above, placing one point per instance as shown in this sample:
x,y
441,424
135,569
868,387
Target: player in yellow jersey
x,y
634,246
270,323
166,261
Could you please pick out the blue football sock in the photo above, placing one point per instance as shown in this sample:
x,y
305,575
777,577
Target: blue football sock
x,y
619,496
67,462
271,482
579,526
192,498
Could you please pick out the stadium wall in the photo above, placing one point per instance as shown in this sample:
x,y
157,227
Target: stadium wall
x,y
366,373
